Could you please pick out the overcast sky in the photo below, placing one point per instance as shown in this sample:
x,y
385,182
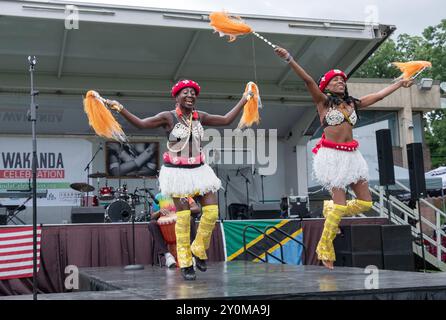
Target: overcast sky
x,y
409,16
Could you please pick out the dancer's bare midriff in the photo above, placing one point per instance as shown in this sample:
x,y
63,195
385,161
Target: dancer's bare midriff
x,y
340,133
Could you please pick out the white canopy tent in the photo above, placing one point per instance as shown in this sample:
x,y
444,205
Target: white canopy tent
x,y
135,54
439,173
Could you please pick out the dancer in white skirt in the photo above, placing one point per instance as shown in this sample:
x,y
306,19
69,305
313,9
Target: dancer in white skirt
x,y
338,162
184,173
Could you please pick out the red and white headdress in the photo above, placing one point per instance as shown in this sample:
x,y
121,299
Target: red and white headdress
x,y
185,84
325,80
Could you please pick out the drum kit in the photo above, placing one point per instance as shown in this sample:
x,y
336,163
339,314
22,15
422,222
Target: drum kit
x,y
119,203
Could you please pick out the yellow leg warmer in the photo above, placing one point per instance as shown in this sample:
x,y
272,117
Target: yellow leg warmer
x,y
354,207
357,206
325,248
204,232
182,232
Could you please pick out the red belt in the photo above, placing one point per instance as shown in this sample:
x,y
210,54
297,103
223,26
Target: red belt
x,y
183,161
346,146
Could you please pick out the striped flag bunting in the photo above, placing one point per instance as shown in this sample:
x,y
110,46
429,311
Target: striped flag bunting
x,y
16,252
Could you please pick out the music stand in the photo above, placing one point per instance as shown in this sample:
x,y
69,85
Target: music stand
x,y
14,210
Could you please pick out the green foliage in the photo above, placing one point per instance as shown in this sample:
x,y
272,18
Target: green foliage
x,y
378,65
435,133
431,46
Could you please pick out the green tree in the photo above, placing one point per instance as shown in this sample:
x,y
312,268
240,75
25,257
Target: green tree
x,y
435,127
378,65
431,46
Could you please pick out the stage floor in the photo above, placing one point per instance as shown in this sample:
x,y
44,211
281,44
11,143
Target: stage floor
x,y
247,280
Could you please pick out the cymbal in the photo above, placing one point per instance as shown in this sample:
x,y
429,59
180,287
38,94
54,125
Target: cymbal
x,y
97,175
82,187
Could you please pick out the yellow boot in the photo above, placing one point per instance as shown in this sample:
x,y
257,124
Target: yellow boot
x,y
354,207
325,249
357,206
182,232
203,237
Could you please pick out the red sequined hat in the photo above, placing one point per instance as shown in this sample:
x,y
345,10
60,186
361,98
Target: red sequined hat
x,y
325,80
185,84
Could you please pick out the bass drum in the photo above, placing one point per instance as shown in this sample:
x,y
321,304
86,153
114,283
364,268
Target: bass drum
x,y
118,211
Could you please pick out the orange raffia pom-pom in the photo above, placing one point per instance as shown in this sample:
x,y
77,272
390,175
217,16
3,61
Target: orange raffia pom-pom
x,y
101,119
229,26
411,69
251,109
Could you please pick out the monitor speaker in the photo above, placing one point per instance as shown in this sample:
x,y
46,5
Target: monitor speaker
x,y
359,246
87,215
265,210
238,211
397,247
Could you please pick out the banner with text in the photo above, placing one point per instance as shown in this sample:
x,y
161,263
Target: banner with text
x,y
60,162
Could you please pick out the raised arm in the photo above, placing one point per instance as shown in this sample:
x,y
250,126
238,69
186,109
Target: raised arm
x,y
316,94
218,120
372,98
159,120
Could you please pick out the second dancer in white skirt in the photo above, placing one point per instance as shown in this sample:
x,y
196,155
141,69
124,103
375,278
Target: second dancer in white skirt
x,y
338,164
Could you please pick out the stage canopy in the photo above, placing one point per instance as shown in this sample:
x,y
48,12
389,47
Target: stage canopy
x,y
136,54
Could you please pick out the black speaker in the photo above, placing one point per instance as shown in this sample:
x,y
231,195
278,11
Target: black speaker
x,y
238,211
265,210
87,215
416,170
3,216
397,247
385,157
359,246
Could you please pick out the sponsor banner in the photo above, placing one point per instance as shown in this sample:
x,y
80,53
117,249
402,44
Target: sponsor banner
x,y
59,163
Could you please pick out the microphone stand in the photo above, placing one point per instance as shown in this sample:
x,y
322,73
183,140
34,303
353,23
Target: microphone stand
x,y
421,234
146,200
263,194
32,116
134,266
247,188
87,168
226,197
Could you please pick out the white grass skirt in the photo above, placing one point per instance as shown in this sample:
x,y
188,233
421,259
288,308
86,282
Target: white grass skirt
x,y
338,169
180,182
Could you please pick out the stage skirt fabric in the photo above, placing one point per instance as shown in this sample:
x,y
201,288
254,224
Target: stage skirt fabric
x,y
180,182
338,169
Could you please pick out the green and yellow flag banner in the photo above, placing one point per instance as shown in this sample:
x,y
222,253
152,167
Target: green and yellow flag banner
x,y
257,244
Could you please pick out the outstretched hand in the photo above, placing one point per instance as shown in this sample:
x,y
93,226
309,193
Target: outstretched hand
x,y
248,95
283,53
407,83
114,105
